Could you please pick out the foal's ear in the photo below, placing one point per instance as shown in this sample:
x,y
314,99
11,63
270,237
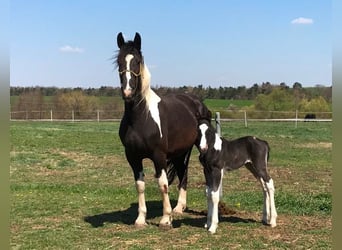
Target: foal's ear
x,y
137,41
120,40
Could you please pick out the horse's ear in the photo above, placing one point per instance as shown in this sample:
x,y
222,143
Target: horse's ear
x,y
137,41
120,40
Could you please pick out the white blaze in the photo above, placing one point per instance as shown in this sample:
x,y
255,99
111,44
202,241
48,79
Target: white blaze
x,y
128,59
203,142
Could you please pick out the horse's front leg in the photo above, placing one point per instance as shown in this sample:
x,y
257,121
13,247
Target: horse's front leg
x,y
140,187
142,210
166,221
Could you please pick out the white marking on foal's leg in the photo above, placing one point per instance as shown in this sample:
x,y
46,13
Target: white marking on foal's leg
x,y
266,205
209,207
140,186
181,204
273,211
215,198
166,220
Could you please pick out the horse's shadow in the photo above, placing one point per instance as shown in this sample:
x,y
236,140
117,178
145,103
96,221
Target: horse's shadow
x,y
190,217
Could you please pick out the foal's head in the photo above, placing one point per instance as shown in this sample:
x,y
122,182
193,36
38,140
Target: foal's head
x,y
131,66
207,137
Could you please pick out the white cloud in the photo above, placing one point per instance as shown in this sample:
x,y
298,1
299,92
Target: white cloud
x,y
302,20
70,49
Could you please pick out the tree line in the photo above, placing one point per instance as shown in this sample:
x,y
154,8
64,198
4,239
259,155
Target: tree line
x,y
265,96
231,93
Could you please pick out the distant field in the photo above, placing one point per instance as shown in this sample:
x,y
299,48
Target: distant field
x,y
71,188
220,104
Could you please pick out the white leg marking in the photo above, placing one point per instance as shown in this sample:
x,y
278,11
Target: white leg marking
x,y
181,204
218,143
269,210
220,188
266,208
273,211
209,207
215,198
140,186
163,186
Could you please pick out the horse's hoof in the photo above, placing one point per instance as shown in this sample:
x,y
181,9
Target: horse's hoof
x,y
165,227
140,225
178,210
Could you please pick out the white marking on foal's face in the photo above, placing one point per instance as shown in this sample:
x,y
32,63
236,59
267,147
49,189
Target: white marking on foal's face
x,y
203,143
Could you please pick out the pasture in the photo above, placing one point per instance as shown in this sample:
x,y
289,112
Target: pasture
x,y
72,188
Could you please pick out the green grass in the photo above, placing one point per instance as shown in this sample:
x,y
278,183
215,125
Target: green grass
x,y
72,188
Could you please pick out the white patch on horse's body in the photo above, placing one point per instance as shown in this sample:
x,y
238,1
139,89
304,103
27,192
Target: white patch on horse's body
x,y
203,143
218,143
151,98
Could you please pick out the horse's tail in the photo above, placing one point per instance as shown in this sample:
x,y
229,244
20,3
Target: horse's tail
x,y
171,171
179,166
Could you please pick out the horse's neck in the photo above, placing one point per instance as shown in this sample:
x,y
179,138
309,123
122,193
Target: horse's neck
x,y
135,109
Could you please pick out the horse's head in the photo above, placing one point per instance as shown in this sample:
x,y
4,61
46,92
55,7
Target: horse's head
x,y
131,66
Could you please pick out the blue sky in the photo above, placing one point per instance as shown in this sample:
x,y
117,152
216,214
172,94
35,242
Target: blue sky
x,y
192,42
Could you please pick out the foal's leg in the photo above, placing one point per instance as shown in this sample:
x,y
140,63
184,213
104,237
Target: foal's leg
x,y
272,212
259,170
209,207
217,175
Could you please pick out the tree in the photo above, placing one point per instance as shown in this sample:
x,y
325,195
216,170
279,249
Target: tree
x,y
76,101
318,104
278,100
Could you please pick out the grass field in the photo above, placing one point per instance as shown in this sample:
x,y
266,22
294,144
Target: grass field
x,y
71,188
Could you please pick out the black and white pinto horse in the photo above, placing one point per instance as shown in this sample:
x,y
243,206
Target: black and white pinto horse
x,y
161,129
218,154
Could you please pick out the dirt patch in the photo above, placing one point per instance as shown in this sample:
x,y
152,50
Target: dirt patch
x,y
316,145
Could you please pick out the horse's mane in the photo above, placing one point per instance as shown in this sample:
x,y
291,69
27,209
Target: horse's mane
x,y
146,92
